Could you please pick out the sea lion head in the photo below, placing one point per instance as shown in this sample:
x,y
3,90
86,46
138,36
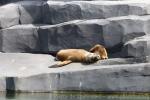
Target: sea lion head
x,y
101,50
92,57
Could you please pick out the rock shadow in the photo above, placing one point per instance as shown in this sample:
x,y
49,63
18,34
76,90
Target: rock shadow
x,y
10,87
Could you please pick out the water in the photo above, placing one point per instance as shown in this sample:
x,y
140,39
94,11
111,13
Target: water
x,y
73,96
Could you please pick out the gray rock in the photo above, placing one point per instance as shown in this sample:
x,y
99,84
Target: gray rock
x,y
138,47
82,24
9,15
74,34
50,12
122,61
30,12
109,78
112,33
123,29
21,38
30,73
58,12
23,64
3,2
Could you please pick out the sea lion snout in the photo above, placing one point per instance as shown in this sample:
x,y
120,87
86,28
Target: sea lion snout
x,y
93,57
96,57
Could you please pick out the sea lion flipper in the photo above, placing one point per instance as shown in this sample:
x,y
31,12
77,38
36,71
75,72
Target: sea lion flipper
x,y
60,64
66,62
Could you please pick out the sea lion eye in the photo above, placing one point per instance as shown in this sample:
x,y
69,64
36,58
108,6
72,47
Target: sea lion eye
x,y
98,57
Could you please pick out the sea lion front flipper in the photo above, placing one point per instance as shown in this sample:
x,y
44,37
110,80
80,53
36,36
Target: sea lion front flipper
x,y
66,62
60,64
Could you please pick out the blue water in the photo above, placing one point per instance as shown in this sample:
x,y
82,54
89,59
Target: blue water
x,y
73,96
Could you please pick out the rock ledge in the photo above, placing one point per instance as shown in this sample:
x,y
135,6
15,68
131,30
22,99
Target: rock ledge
x,y
30,73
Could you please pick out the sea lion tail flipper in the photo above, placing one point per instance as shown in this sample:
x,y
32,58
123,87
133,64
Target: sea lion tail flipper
x,y
60,64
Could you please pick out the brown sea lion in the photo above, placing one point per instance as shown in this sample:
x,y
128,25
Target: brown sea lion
x,y
67,56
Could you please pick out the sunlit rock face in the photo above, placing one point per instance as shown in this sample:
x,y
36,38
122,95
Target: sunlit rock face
x,y
47,26
6,18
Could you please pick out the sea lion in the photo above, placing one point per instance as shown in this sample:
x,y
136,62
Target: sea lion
x,y
101,50
67,56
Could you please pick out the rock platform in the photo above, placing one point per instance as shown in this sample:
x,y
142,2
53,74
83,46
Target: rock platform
x,y
23,72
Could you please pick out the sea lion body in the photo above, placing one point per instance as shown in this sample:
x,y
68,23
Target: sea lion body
x,y
67,56
76,55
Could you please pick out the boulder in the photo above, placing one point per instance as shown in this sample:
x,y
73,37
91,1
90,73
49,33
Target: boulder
x,y
58,12
73,34
123,29
9,15
138,47
20,38
30,12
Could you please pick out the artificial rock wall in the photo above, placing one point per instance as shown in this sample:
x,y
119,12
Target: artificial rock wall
x,y
43,26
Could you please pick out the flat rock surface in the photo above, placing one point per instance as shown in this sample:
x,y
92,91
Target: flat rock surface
x,y
22,64
26,64
24,72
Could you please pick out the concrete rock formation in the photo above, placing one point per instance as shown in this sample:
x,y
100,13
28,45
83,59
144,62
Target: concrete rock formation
x,y
23,72
45,26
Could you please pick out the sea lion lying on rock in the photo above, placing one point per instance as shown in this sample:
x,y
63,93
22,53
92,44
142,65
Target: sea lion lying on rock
x,y
67,56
